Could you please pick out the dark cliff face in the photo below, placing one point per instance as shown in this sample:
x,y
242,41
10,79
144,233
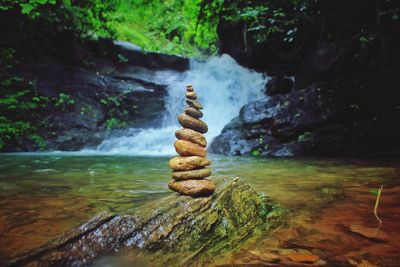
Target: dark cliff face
x,y
110,85
343,99
319,120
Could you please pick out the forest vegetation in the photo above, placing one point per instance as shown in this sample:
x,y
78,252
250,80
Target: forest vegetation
x,y
37,31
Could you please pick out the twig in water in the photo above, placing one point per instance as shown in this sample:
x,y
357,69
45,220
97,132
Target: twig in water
x,y
377,204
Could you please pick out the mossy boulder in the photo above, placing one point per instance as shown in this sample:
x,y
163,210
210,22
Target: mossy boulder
x,y
176,230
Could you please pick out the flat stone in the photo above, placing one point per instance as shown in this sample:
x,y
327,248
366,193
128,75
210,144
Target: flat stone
x,y
194,104
303,258
193,174
186,148
195,113
191,95
269,257
189,88
193,188
192,123
320,262
188,163
192,136
371,233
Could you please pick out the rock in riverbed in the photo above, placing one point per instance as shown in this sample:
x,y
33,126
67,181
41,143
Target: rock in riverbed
x,y
174,230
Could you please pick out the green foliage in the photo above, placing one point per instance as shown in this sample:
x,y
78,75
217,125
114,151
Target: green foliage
x,y
169,26
19,105
122,59
256,152
64,101
18,114
116,115
374,191
265,19
111,102
305,137
50,28
30,7
113,123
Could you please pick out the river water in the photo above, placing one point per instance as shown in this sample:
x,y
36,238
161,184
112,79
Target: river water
x,y
43,195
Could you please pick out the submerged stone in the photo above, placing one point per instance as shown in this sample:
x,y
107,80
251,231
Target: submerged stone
x,y
192,174
374,234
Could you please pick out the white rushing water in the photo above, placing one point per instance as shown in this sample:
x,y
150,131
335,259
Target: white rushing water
x,y
222,86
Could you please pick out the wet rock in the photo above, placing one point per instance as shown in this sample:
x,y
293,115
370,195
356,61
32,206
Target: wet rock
x,y
374,234
320,262
189,88
365,263
299,123
188,163
114,49
191,123
193,188
303,258
192,174
191,182
269,257
191,95
175,230
317,64
84,123
194,104
191,136
195,113
186,148
278,85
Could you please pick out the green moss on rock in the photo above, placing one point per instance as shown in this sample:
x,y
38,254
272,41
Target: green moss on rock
x,y
175,230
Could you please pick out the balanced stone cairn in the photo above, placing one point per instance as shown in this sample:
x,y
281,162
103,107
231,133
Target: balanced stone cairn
x,y
190,169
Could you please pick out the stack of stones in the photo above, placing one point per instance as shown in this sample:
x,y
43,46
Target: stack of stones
x,y
190,169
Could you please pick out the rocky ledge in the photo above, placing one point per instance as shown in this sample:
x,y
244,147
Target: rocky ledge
x,y
105,85
325,118
175,230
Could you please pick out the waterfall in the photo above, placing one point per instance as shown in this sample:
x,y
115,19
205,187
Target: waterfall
x,y
222,86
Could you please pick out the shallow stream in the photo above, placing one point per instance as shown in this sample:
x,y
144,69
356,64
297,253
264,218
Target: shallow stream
x,y
43,195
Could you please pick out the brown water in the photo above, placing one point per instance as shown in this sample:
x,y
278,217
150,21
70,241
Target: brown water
x,y
42,196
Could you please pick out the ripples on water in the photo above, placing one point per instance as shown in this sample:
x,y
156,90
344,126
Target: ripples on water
x,y
43,196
